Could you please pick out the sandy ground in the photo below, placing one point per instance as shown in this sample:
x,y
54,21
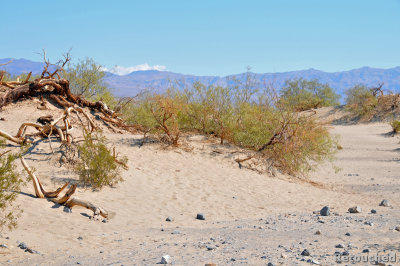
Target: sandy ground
x,y
251,218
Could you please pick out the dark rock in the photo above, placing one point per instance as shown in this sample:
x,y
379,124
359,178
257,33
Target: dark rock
x,y
169,219
305,253
397,228
348,234
22,245
325,211
355,209
165,259
339,246
3,246
345,253
270,264
200,216
384,203
373,211
176,232
366,250
80,238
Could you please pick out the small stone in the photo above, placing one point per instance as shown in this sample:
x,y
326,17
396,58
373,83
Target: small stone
x,y
165,259
369,223
373,211
318,232
305,253
348,234
339,246
233,259
210,248
384,203
176,232
3,246
355,209
169,219
397,228
200,216
314,261
22,245
270,264
365,250
345,253
80,238
325,211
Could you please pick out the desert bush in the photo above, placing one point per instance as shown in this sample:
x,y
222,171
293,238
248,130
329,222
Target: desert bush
x,y
86,78
300,95
361,101
97,165
10,182
250,118
395,126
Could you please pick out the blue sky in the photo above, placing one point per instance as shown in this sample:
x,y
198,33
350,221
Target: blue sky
x,y
207,37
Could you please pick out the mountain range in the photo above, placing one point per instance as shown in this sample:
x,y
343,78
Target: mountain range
x,y
132,83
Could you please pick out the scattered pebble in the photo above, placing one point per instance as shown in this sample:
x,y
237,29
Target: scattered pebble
x,y
306,253
373,211
339,246
369,223
169,219
366,250
384,203
3,246
397,228
356,209
325,211
165,259
200,216
22,245
175,232
318,232
80,238
348,234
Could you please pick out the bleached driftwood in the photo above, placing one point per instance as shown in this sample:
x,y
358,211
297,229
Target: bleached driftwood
x,y
65,200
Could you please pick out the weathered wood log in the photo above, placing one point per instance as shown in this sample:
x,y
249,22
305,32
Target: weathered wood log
x,y
36,184
96,210
67,195
11,138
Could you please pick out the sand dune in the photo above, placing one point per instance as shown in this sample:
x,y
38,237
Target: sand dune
x,y
180,183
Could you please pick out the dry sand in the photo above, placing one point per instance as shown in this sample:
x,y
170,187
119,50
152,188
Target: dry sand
x,y
251,218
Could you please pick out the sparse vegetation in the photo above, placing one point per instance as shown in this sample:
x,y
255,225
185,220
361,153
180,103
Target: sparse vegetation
x,y
250,118
361,101
86,79
300,95
10,182
396,126
97,165
367,103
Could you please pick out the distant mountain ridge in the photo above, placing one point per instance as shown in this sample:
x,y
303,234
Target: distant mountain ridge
x,y
131,84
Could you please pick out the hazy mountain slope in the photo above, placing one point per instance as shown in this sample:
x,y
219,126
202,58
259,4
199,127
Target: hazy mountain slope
x,y
131,84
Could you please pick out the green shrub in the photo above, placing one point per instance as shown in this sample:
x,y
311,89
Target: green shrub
x,y
360,101
242,117
97,165
86,78
396,126
10,182
300,95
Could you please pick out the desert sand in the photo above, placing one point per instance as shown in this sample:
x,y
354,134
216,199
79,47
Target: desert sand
x,y
251,218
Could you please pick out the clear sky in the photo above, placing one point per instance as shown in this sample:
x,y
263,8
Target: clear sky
x,y
207,37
